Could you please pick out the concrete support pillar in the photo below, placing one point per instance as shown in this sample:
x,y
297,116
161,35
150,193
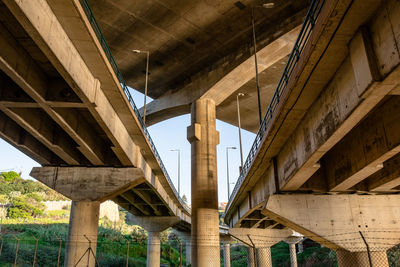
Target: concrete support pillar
x,y
293,255
204,138
251,261
227,255
264,257
153,249
83,221
188,248
360,259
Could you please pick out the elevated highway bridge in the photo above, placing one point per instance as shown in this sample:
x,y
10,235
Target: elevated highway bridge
x,y
326,158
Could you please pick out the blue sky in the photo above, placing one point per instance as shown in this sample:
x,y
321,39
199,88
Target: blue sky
x,y
167,135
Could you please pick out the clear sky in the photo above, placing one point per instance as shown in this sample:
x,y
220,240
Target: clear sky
x,y
167,135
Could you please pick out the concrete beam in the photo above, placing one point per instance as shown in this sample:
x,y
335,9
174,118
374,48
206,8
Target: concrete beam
x,y
347,99
39,20
14,134
34,82
364,150
178,103
336,221
385,179
88,184
260,237
155,223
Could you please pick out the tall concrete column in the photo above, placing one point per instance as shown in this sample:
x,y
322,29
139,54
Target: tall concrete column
x,y
264,257
293,254
359,259
188,248
227,255
153,249
83,221
251,261
204,138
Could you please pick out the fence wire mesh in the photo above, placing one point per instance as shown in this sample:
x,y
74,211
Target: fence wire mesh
x,y
16,251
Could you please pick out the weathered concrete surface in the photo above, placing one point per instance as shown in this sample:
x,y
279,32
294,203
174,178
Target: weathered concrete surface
x,y
204,138
88,184
271,61
83,225
336,220
260,237
332,128
227,254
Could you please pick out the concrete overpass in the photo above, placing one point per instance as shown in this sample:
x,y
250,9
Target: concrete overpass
x,y
325,160
64,103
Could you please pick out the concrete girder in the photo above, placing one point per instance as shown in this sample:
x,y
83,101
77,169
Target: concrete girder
x,y
363,151
21,139
351,95
88,184
178,103
138,203
385,179
35,84
39,20
260,237
44,129
146,198
336,221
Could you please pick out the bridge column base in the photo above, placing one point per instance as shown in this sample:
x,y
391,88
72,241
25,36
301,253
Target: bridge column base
x,y
360,259
251,261
227,255
264,257
153,249
82,233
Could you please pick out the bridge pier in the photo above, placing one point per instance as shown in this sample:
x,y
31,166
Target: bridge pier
x,y
204,138
262,240
292,241
348,224
154,226
87,188
83,226
227,254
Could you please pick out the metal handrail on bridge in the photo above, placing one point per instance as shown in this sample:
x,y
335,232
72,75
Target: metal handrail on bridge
x,y
305,32
107,51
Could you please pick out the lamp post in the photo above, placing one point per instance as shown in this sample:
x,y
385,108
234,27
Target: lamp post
x,y
179,170
239,128
227,169
147,78
266,5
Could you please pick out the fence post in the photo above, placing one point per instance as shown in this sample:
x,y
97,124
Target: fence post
x,y
127,253
16,251
34,255
367,246
59,251
1,246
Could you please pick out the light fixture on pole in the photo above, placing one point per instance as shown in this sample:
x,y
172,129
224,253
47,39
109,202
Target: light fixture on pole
x,y
239,128
227,169
179,170
147,78
266,5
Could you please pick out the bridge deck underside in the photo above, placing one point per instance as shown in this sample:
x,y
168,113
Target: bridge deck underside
x,y
45,118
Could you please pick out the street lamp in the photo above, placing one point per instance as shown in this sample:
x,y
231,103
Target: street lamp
x,y
179,170
227,168
147,78
266,5
239,128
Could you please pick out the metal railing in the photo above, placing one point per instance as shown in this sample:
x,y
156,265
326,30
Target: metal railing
x,y
306,29
107,51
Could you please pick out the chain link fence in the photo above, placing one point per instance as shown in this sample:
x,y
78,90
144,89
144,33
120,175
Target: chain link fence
x,y
16,251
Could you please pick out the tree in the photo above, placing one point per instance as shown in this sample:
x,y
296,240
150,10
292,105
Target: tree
x,y
10,176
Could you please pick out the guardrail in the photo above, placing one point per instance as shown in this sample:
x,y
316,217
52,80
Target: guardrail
x,y
106,48
306,29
